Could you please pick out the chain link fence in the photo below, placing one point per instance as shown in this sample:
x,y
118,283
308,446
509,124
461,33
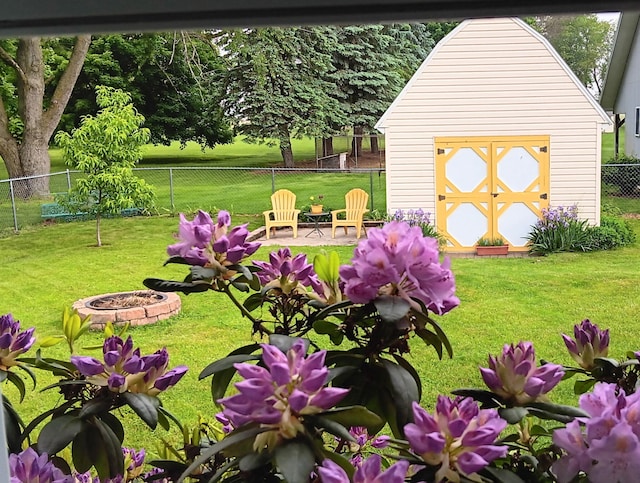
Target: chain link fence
x,y
621,186
238,190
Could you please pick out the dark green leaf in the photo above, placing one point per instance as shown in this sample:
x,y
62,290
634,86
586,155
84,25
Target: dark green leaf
x,y
223,469
542,414
295,460
512,415
340,372
30,373
391,309
244,271
114,464
403,389
353,416
145,406
168,415
17,381
430,339
220,382
330,426
240,286
13,425
41,417
411,370
115,425
443,337
580,387
501,476
168,465
606,362
284,342
229,440
226,363
94,406
58,433
81,450
252,302
487,398
559,409
331,309
253,461
173,286
202,273
176,259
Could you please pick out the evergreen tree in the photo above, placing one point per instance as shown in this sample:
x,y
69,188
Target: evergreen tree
x,y
276,84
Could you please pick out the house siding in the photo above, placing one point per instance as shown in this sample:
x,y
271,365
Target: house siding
x,y
629,98
493,78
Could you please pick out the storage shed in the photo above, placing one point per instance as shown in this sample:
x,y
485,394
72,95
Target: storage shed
x,y
492,128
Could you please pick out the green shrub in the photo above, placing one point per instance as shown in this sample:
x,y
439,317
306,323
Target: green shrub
x,y
613,232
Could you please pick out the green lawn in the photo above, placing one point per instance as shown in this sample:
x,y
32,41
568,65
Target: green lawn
x,y
45,269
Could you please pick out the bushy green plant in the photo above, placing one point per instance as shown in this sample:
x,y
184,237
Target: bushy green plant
x,y
559,230
613,232
490,242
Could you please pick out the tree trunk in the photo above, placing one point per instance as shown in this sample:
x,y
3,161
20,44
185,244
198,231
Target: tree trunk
x,y
327,146
285,149
29,155
356,143
98,240
374,143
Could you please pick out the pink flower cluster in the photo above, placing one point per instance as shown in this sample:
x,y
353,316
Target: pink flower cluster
x,y
288,273
459,436
514,375
605,446
205,243
124,369
398,260
280,394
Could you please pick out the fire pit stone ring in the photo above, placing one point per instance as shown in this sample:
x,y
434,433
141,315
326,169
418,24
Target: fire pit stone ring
x,y
140,307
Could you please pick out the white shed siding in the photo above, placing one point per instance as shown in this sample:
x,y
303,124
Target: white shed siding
x,y
493,77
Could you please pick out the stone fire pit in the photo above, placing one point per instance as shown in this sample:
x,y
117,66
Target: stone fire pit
x,y
141,307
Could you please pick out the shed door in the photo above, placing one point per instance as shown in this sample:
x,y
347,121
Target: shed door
x,y
490,187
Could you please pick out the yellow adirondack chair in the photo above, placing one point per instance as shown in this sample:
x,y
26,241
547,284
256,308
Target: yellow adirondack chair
x,y
284,212
356,201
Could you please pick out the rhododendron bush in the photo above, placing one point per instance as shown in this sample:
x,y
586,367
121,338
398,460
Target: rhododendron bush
x,y
325,392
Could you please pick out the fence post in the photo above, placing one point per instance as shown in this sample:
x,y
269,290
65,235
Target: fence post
x,y
273,180
68,179
13,206
173,206
371,187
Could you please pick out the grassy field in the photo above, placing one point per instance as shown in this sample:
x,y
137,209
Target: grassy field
x,y
45,269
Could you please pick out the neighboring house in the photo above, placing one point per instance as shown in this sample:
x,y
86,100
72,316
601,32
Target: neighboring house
x,y
492,128
621,91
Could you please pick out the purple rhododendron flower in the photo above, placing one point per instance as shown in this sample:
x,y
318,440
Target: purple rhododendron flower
x,y
590,342
363,440
398,260
212,245
605,446
368,472
13,343
458,436
124,369
288,273
280,394
515,377
133,462
29,467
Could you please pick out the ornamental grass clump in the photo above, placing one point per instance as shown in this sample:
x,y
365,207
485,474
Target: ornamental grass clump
x,y
325,391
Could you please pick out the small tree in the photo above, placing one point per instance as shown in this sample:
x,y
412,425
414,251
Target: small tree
x,y
106,148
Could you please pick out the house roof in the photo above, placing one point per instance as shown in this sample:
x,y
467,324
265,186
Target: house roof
x,y
625,34
380,125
